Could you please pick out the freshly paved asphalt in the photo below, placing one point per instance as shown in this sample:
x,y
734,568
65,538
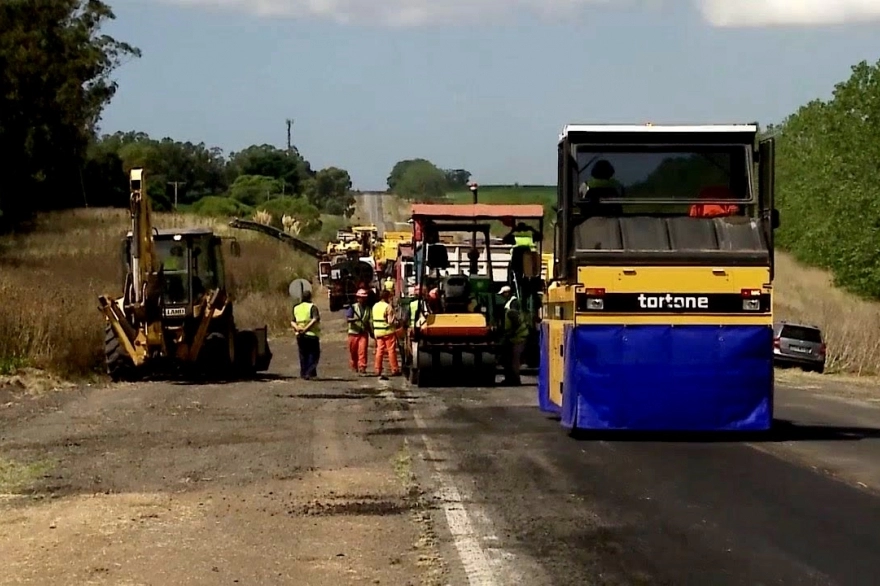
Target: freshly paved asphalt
x,y
797,507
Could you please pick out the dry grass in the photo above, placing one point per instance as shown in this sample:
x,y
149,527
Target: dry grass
x,y
850,324
50,280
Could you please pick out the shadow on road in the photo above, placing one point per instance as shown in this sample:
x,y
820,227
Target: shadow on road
x,y
199,381
783,431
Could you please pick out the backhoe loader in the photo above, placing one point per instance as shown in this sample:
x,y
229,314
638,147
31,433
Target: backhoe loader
x,y
175,316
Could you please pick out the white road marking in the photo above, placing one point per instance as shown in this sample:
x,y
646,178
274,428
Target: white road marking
x,y
476,561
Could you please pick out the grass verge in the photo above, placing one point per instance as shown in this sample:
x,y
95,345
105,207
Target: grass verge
x,y
16,476
50,279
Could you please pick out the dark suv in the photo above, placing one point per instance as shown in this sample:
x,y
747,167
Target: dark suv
x,y
798,345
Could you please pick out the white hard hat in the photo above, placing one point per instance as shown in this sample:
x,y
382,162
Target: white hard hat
x,y
503,290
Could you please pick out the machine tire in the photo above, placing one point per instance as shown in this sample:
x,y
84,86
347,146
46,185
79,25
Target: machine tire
x,y
119,366
214,356
245,353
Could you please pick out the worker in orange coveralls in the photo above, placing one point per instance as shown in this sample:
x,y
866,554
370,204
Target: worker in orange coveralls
x,y
358,318
384,328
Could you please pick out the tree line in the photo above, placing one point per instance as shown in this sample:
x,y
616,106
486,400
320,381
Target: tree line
x,y
184,175
55,81
828,181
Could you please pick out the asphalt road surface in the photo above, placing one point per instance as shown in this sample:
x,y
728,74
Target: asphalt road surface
x,y
541,507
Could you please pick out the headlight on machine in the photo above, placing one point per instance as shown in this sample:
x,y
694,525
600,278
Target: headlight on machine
x,y
595,304
751,299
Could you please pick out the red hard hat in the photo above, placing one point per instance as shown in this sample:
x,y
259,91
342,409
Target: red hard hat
x,y
362,293
433,294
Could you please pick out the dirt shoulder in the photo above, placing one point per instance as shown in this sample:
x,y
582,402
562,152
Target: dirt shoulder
x,y
859,388
277,481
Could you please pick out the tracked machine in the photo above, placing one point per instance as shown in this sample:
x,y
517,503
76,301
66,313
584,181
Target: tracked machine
x,y
461,331
175,315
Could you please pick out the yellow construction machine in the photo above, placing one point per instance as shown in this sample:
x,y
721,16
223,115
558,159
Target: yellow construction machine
x,y
175,316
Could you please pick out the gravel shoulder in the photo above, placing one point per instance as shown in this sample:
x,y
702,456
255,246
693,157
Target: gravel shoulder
x,y
275,481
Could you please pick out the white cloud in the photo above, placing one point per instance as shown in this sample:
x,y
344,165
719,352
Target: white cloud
x,y
414,13
402,13
763,13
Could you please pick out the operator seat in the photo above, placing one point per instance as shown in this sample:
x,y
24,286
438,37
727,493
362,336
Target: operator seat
x,y
454,290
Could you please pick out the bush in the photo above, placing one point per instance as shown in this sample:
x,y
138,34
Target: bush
x,y
214,206
50,280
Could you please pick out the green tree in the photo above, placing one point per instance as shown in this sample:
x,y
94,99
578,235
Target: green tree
x,y
266,160
398,171
55,79
828,181
423,182
457,178
253,190
330,191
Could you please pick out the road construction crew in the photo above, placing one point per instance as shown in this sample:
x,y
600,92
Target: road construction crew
x,y
516,332
383,325
307,325
358,332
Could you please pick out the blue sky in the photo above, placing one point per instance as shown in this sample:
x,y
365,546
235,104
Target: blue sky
x,y
484,85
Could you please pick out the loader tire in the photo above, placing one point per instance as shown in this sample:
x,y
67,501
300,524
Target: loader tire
x,y
214,358
245,353
119,366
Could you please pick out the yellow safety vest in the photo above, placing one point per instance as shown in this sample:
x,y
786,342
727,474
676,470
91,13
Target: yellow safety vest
x,y
359,325
524,239
521,333
413,310
173,263
389,284
594,183
381,327
302,315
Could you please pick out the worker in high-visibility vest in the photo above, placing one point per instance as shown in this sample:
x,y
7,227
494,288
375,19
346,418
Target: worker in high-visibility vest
x,y
516,332
383,324
523,238
602,177
358,318
307,325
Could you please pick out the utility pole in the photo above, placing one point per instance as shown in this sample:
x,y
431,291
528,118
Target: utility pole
x,y
176,184
289,142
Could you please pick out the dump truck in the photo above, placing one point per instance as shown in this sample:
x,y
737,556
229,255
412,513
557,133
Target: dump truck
x,y
462,332
175,315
